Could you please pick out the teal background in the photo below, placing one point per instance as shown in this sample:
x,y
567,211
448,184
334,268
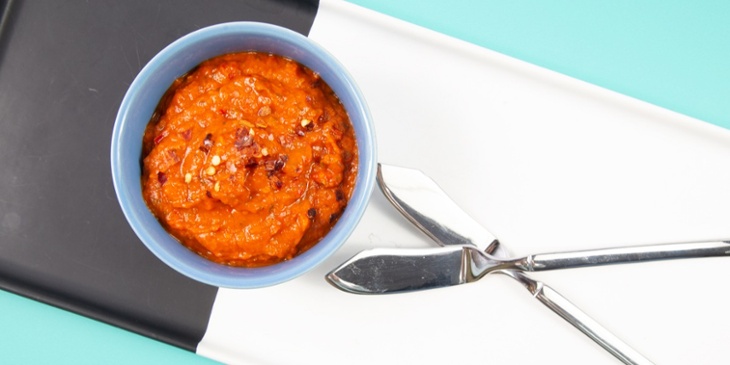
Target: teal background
x,y
672,53
675,54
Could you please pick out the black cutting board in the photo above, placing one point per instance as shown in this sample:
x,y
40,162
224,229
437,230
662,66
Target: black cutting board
x,y
64,69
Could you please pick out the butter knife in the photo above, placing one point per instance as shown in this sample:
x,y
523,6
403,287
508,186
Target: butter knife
x,y
399,270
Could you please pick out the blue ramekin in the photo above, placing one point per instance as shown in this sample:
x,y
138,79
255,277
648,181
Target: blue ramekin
x,y
143,96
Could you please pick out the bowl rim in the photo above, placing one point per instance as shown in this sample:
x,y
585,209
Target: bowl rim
x,y
178,256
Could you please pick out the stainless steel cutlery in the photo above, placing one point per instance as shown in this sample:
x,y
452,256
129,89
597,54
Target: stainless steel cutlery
x,y
470,252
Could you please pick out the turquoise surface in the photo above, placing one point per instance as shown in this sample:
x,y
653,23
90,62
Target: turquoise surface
x,y
675,54
672,53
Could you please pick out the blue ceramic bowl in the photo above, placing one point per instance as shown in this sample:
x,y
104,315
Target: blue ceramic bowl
x,y
143,96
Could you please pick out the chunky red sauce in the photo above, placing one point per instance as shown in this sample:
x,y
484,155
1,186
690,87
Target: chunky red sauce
x,y
249,160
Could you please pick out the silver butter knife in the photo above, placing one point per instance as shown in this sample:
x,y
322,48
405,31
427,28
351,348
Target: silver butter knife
x,y
398,270
423,202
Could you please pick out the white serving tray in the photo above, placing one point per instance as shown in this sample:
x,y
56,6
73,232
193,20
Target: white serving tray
x,y
546,163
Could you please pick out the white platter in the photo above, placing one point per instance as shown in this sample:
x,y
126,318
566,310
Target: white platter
x,y
546,163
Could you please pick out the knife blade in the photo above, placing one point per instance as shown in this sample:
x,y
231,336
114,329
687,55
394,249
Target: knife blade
x,y
387,271
426,205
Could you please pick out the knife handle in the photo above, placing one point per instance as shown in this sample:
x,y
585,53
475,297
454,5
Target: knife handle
x,y
623,255
579,319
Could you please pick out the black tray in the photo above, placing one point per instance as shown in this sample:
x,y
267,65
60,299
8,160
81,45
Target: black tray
x,y
64,68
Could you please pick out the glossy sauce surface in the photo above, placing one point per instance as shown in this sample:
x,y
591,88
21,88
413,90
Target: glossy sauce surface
x,y
249,160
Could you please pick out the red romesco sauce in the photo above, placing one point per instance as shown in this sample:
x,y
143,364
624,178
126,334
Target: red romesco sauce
x,y
249,160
